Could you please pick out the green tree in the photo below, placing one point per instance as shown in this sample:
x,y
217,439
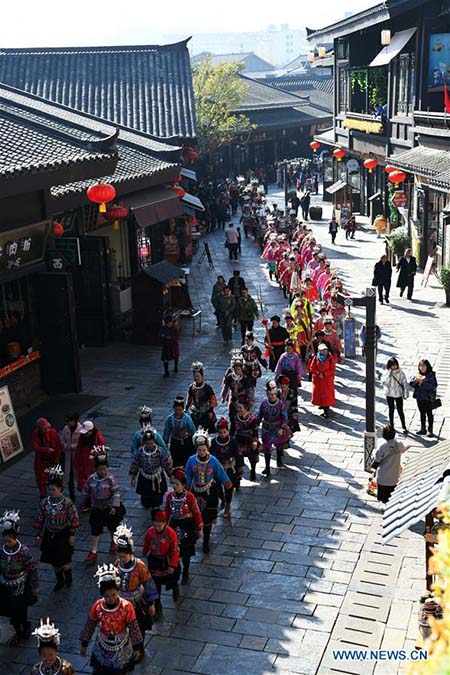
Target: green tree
x,y
219,91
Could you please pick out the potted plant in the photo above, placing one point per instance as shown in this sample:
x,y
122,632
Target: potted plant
x,y
399,240
444,276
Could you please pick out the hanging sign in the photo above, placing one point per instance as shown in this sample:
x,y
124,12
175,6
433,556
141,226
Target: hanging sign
x,y
23,247
399,198
10,440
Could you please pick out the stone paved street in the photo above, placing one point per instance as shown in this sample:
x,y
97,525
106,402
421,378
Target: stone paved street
x,y
299,569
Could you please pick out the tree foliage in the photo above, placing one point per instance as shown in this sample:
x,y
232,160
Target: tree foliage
x,y
219,91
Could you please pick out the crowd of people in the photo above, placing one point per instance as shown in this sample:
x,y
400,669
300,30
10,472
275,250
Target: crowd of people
x,y
188,473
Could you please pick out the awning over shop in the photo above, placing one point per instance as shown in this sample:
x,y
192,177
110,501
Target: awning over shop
x,y
188,173
193,202
154,205
422,486
327,137
338,185
164,272
422,161
398,41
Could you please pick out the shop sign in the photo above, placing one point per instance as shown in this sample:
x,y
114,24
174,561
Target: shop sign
x,y
23,247
10,440
69,248
399,199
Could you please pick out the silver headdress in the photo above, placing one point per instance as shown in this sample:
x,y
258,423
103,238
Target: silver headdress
x,y
99,453
107,573
197,367
123,537
201,437
236,357
10,521
54,472
47,633
144,411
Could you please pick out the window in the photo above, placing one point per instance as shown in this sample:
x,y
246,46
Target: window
x,y
405,83
343,89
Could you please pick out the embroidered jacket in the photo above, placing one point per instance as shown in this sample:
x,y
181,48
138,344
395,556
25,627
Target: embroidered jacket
x,y
162,545
60,667
57,515
112,622
137,441
16,567
226,451
149,462
136,582
201,398
104,492
181,506
200,474
178,428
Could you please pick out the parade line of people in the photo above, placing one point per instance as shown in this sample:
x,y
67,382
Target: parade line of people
x,y
202,458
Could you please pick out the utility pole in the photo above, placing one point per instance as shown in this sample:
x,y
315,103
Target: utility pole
x,y
368,300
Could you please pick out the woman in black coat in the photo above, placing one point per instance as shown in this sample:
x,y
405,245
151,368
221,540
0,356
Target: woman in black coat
x,y
382,274
407,266
425,389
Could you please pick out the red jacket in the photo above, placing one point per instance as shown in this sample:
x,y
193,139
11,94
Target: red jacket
x,y
82,461
163,545
190,509
41,441
323,387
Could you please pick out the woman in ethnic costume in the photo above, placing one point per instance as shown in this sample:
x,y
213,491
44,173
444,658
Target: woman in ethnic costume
x,y
56,526
178,431
225,448
118,643
235,383
103,491
201,400
247,434
51,663
275,430
136,583
18,578
147,471
185,518
203,473
163,557
290,399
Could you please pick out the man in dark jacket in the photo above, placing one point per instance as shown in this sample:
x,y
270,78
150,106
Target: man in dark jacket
x,y
333,229
304,203
226,308
275,338
407,266
382,274
247,312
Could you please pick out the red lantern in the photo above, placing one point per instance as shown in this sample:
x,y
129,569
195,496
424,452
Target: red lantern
x,y
397,177
179,191
101,193
190,154
370,164
314,145
389,168
58,230
116,213
339,153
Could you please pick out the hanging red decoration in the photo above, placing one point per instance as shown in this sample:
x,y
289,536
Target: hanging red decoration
x,y
101,193
314,145
397,177
58,229
370,164
190,154
339,153
389,168
116,213
180,192
176,180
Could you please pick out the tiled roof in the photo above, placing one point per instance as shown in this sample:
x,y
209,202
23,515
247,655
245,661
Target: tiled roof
x,y
137,159
39,137
148,88
423,161
284,118
319,90
262,96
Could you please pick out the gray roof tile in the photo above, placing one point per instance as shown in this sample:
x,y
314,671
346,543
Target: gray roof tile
x,y
148,88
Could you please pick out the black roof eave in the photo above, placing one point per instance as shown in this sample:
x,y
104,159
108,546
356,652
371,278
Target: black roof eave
x,y
365,19
45,178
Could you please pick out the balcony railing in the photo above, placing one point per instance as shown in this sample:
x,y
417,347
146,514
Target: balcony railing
x,y
361,122
432,120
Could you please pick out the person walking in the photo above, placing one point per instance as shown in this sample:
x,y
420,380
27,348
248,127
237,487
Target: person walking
x,y
396,390
322,367
163,557
304,203
273,417
170,350
382,275
333,228
217,292
178,431
386,463
232,242
69,437
226,310
350,228
47,448
275,339
90,437
425,387
247,311
48,639
148,471
407,268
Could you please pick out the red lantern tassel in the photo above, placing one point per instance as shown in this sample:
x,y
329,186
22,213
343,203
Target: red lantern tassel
x,y
102,207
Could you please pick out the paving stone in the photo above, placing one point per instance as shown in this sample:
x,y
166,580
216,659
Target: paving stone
x,y
218,660
322,619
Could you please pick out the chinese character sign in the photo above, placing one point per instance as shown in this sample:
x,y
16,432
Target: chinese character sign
x,y
24,246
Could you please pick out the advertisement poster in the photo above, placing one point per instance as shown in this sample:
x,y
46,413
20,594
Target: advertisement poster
x,y
10,441
439,61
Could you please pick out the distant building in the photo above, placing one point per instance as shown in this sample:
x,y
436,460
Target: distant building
x,y
275,45
252,62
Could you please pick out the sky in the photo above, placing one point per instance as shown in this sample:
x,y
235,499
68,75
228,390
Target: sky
x,y
51,23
